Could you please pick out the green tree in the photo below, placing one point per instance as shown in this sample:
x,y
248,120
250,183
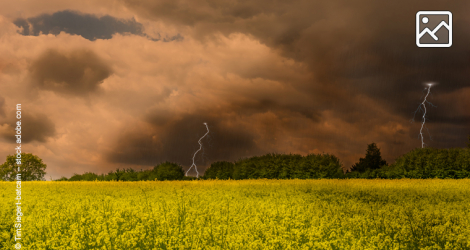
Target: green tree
x,y
32,168
373,160
468,143
76,177
432,163
168,171
144,175
314,166
222,170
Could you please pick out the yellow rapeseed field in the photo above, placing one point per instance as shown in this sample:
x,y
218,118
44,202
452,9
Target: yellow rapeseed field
x,y
248,214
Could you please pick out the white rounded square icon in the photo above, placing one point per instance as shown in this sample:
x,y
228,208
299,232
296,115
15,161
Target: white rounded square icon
x,y
434,29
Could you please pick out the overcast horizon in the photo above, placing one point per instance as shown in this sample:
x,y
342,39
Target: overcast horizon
x,y
129,83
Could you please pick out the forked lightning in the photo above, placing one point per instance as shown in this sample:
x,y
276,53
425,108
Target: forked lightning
x,y
424,114
200,147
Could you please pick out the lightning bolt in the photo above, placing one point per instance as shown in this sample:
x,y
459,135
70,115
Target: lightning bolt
x,y
424,114
200,147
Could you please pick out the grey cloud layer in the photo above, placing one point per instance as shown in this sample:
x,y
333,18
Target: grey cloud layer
x,y
86,25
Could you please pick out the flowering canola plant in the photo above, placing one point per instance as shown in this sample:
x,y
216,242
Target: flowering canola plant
x,y
246,214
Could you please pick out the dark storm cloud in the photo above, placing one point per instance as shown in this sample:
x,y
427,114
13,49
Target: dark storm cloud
x,y
88,26
76,73
177,37
340,40
353,48
263,105
34,127
176,139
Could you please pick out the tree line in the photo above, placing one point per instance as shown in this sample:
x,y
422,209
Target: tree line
x,y
418,163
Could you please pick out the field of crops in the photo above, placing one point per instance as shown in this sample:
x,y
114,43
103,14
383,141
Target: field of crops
x,y
250,214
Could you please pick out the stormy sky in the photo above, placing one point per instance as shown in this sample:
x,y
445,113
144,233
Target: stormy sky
x,y
129,83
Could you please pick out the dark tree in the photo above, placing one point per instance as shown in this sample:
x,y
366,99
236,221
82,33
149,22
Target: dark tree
x,y
373,160
468,143
168,171
31,169
75,177
221,170
144,175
